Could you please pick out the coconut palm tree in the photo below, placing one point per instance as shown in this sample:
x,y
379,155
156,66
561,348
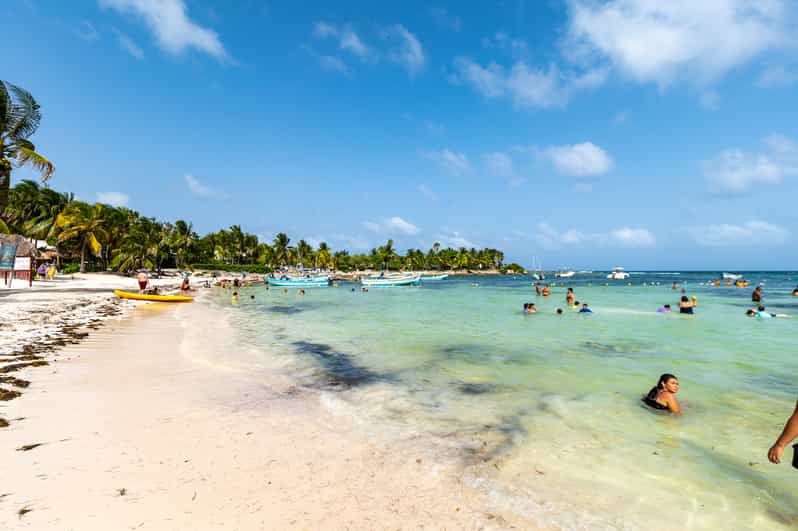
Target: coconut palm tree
x,y
86,223
323,256
19,119
280,249
141,246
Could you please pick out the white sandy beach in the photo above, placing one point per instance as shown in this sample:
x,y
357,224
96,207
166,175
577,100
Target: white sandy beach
x,y
137,432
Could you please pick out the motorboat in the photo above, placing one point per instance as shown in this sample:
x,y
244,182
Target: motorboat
x,y
321,281
618,274
564,274
731,276
391,281
426,278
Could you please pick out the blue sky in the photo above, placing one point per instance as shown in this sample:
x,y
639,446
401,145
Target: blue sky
x,y
584,133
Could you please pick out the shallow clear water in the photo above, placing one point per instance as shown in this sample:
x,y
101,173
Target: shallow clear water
x,y
547,406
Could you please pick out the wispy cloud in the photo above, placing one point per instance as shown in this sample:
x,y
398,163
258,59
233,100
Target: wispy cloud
x,y
408,51
754,232
85,30
169,22
734,171
392,225
453,162
777,76
634,237
116,199
204,191
524,84
499,164
454,239
346,37
127,44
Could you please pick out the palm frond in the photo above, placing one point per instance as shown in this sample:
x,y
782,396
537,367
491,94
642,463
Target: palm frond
x,y
5,106
25,115
28,156
3,227
94,245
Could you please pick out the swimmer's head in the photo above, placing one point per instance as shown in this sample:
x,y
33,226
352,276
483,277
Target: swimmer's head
x,y
761,308
668,382
559,311
684,298
749,312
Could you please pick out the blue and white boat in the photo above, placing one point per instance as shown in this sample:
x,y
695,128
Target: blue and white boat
x,y
299,282
391,280
425,278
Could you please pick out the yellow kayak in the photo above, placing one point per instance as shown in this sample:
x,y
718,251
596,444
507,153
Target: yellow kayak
x,y
157,298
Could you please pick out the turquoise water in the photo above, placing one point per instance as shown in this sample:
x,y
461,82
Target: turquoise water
x,y
545,409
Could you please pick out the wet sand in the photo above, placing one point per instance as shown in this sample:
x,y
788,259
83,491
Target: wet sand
x,y
130,429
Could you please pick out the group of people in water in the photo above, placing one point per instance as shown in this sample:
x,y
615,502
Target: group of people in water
x,y
570,301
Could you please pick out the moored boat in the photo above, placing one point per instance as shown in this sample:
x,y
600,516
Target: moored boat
x,y
299,282
390,281
618,274
434,277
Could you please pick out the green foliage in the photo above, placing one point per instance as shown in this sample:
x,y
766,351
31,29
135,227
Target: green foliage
x,y
234,268
513,269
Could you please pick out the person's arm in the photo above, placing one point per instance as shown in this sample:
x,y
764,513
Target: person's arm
x,y
673,405
789,433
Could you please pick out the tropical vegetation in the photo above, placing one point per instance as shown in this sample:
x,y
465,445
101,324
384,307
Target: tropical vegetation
x,y
102,237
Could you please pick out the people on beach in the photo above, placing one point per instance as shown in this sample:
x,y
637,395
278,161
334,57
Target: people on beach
x,y
663,395
688,305
585,309
301,292
788,434
234,298
530,307
569,296
756,295
546,291
675,286
539,290
184,286
665,309
143,279
795,292
575,305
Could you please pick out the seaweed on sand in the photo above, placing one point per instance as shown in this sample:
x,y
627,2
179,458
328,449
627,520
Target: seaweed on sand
x,y
341,370
3,423
17,366
8,394
16,382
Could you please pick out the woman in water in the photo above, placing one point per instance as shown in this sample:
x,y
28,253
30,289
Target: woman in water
x,y
663,395
686,305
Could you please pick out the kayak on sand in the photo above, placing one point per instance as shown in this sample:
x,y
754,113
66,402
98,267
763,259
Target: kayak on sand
x,y
155,298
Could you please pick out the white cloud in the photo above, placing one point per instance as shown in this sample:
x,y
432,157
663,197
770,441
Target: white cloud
x,y
754,232
427,192
408,52
392,225
348,40
201,190
666,41
499,164
579,160
116,199
734,171
171,25
502,41
86,31
454,240
127,44
453,162
629,237
525,85
551,238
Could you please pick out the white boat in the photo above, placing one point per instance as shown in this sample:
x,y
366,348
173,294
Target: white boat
x,y
564,274
618,274
299,282
391,280
538,274
731,276
434,277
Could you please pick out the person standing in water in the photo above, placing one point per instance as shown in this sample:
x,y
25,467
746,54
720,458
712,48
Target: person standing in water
x,y
788,434
143,279
686,305
756,296
663,395
570,297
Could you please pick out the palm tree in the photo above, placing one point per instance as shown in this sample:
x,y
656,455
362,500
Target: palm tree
x,y
323,256
86,223
141,246
387,253
304,252
19,119
280,249
182,239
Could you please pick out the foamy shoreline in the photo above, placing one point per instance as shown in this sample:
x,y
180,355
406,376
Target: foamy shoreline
x,y
138,430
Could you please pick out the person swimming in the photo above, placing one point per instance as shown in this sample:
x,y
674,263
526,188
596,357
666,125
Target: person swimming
x,y
663,395
546,290
665,309
756,295
530,308
795,292
234,298
559,311
686,305
538,289
585,309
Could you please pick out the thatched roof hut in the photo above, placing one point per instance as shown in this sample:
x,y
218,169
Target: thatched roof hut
x,y
25,247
